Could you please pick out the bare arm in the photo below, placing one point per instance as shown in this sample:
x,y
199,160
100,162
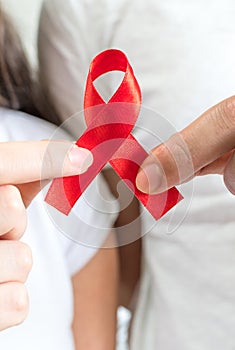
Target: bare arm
x,y
127,228
95,302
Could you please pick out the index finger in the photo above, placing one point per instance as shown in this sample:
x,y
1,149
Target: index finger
x,y
185,153
22,162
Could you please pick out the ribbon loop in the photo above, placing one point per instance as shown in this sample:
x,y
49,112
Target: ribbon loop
x,y
108,137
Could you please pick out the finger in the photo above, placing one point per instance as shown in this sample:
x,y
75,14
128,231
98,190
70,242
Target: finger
x,y
15,261
14,304
229,174
13,219
185,153
22,162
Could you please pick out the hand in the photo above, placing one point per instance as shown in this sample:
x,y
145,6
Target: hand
x,y
207,146
23,165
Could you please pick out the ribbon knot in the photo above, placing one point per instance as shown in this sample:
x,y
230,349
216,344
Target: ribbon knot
x,y
108,136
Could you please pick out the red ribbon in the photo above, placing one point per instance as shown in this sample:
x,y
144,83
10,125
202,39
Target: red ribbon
x,y
109,138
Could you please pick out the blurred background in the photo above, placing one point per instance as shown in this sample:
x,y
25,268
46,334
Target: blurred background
x,y
25,14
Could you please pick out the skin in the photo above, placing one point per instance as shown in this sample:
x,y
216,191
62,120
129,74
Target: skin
x,y
95,290
20,175
129,254
206,146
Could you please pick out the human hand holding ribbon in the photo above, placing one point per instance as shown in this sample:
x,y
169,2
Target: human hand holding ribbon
x,y
108,136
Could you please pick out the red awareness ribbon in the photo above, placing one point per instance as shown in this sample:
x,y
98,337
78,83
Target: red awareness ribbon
x,y
108,136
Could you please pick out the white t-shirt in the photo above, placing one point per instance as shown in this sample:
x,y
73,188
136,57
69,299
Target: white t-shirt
x,y
56,257
183,55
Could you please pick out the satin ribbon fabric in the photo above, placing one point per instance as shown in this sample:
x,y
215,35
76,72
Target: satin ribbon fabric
x,y
108,136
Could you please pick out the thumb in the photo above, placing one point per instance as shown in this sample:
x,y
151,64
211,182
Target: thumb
x,y
229,174
186,153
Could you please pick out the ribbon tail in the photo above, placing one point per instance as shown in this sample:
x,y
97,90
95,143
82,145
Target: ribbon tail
x,y
126,162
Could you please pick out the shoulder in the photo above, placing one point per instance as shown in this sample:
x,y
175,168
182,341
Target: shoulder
x,y
74,15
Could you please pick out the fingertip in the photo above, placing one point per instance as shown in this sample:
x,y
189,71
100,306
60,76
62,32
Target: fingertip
x,y
142,182
150,178
81,159
65,159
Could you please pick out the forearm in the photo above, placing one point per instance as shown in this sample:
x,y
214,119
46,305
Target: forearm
x,y
95,302
128,233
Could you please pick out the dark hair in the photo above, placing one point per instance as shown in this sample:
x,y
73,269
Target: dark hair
x,y
19,90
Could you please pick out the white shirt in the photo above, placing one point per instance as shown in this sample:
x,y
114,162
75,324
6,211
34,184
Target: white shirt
x,y
183,55
55,257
